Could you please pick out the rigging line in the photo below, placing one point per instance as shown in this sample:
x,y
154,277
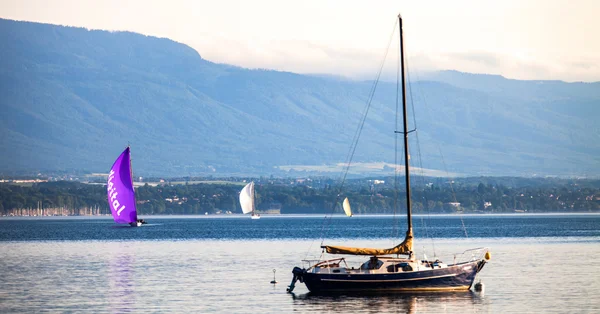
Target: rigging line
x,y
423,222
464,228
445,168
358,132
395,220
450,181
359,128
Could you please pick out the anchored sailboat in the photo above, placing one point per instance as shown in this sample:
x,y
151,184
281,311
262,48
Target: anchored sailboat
x,y
247,201
396,268
121,195
346,207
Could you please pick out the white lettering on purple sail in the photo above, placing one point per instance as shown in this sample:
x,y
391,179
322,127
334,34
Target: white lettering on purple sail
x,y
113,194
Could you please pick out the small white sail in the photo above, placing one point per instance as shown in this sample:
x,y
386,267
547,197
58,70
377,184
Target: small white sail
x,y
346,206
247,198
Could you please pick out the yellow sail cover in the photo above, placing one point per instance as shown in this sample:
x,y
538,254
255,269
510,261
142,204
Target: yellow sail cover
x,y
403,248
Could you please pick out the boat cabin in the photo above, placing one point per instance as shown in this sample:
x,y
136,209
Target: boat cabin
x,y
376,265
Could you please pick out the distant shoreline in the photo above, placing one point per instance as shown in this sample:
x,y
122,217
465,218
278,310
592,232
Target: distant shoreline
x,y
342,216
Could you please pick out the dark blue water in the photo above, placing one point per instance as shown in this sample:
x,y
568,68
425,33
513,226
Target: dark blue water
x,y
298,227
540,264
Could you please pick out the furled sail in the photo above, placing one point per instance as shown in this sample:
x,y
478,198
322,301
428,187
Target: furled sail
x,y
121,196
247,198
403,248
346,206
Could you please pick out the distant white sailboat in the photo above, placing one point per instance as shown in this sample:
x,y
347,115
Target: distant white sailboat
x,y
247,201
346,206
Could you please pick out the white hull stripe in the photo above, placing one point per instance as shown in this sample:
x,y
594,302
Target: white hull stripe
x,y
387,289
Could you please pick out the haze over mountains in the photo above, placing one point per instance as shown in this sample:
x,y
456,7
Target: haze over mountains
x,y
72,99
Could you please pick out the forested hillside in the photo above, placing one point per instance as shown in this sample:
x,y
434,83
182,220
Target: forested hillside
x,y
71,99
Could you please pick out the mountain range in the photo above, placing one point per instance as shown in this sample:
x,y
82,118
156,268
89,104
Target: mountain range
x,y
73,99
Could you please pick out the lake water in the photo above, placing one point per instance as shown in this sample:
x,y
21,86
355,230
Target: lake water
x,y
540,263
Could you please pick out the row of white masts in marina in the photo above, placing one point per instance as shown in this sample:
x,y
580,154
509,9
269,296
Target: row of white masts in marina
x,y
52,210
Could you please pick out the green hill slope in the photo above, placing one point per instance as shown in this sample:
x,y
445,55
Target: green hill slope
x,y
72,98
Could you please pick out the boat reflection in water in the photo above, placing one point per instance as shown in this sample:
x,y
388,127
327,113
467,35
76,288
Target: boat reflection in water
x,y
121,282
382,303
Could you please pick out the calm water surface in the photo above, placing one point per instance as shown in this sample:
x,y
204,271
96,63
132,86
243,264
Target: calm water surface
x,y
539,264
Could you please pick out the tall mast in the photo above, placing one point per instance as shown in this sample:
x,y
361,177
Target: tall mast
x,y
130,167
253,198
405,133
131,175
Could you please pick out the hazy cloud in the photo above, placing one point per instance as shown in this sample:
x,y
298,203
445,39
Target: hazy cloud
x,y
516,39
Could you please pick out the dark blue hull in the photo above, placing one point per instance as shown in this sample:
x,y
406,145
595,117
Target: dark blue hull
x,y
453,278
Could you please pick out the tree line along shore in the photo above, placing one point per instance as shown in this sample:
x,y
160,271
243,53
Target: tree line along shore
x,y
309,196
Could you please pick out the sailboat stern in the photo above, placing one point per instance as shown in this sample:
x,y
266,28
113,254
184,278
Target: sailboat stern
x,y
298,275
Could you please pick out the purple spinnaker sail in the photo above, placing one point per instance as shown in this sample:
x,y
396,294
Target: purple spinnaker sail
x,y
121,196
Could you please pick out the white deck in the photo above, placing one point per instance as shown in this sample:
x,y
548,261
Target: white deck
x,y
380,265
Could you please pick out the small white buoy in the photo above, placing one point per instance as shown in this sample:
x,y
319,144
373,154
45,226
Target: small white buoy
x,y
274,281
479,287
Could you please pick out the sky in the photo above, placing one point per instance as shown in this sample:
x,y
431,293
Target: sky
x,y
527,39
